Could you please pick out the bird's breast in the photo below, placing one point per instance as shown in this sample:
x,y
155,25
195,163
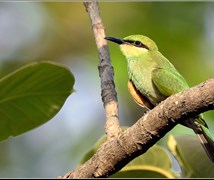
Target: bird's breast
x,y
139,73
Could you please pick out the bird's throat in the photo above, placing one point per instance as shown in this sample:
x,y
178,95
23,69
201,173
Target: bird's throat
x,y
132,51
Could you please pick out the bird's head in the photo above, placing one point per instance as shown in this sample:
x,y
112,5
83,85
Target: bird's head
x,y
134,45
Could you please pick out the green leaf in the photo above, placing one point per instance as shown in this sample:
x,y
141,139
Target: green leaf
x,y
155,163
32,95
142,172
191,156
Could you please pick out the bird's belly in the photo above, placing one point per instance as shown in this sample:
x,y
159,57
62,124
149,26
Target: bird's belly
x,y
143,83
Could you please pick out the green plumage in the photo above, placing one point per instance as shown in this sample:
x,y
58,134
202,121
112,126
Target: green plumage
x,y
156,79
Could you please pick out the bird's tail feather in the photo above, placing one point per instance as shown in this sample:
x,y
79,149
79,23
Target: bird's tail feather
x,y
204,135
206,141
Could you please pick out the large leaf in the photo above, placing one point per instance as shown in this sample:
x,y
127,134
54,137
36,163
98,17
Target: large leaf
x,y
191,156
32,95
155,163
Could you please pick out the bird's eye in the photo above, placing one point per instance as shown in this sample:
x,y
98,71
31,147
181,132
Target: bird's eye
x,y
138,43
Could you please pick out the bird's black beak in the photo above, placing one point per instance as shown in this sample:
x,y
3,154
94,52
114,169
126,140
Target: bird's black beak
x,y
116,40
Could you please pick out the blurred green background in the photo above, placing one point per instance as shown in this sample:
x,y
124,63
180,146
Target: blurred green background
x,y
61,32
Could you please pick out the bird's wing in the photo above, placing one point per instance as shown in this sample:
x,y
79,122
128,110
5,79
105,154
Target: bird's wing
x,y
171,82
168,82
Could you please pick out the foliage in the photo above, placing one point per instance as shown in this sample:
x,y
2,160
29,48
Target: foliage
x,y
32,95
157,162
191,157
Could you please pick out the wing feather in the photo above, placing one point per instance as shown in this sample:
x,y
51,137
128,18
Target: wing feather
x,y
168,82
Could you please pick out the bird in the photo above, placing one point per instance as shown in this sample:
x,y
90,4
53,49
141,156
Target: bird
x,y
153,78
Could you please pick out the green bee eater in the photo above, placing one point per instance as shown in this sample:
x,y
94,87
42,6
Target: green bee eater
x,y
152,78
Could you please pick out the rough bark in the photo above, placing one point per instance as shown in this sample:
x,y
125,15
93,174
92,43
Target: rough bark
x,y
106,72
136,140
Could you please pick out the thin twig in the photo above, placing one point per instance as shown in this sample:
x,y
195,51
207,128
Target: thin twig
x,y
106,72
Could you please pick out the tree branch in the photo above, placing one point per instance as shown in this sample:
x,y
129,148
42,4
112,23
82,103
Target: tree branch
x,y
122,147
106,72
136,140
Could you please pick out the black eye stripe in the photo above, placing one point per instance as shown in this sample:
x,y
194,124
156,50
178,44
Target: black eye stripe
x,y
137,44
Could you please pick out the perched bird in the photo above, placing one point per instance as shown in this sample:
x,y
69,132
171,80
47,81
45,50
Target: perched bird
x,y
152,78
